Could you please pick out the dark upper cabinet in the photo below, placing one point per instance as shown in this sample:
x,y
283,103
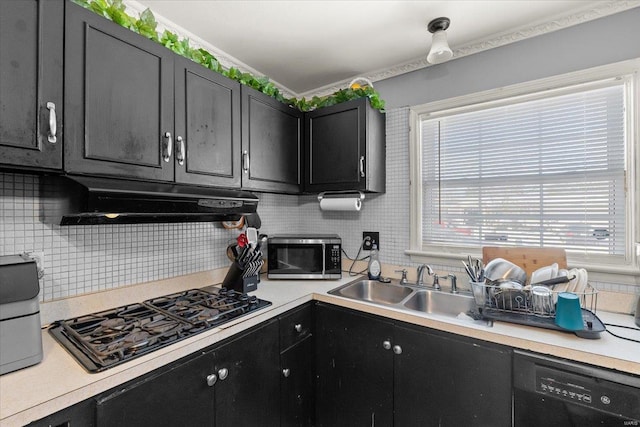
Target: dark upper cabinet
x,y
31,57
207,126
271,144
118,99
345,148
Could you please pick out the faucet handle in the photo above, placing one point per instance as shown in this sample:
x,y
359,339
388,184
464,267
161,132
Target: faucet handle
x,y
454,283
436,282
403,281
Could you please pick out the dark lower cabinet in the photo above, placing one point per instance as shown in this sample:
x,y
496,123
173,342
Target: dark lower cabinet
x,y
233,384
31,57
446,380
176,396
374,372
296,385
79,415
354,371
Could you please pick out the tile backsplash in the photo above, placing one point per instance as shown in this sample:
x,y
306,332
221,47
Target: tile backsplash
x,y
83,259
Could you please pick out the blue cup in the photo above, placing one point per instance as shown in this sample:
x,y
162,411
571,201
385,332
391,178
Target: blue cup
x,y
568,312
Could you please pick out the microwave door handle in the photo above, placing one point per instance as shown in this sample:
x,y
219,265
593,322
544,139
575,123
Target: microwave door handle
x,y
324,261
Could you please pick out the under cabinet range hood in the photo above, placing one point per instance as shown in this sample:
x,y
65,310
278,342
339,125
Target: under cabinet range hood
x,y
83,200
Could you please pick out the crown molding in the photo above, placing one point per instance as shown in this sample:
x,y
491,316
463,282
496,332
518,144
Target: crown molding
x,y
598,11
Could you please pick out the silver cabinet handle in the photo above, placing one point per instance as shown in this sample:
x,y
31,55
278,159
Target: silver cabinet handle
x,y
168,147
386,344
223,374
211,379
53,124
362,166
180,150
298,327
286,372
397,349
245,161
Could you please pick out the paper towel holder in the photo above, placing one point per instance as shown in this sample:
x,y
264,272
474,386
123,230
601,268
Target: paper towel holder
x,y
339,194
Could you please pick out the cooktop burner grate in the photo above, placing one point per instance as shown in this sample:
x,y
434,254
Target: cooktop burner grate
x,y
102,340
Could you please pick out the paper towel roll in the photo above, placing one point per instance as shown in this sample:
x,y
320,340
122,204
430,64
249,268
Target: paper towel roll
x,y
341,204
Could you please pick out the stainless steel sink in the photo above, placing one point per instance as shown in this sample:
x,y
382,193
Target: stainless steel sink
x,y
438,302
410,298
373,291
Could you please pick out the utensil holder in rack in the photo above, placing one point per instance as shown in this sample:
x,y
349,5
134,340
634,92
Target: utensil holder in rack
x,y
517,306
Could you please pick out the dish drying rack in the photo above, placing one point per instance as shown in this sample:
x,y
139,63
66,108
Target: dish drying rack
x,y
521,307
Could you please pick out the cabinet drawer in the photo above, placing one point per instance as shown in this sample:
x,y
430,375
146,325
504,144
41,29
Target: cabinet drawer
x,y
295,326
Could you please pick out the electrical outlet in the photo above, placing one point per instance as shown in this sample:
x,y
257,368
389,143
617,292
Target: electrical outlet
x,y
375,238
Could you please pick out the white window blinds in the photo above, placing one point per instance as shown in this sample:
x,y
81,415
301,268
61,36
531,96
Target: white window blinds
x,y
548,171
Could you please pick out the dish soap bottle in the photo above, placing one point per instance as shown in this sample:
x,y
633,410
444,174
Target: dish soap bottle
x,y
374,263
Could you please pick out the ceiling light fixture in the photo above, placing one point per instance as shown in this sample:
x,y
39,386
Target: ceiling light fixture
x,y
440,51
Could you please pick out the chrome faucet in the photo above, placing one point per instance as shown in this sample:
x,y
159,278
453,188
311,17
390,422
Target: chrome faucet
x,y
420,273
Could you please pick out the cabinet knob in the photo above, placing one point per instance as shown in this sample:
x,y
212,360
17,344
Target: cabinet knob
x,y
211,379
167,149
223,374
397,349
386,345
286,372
180,154
298,327
53,123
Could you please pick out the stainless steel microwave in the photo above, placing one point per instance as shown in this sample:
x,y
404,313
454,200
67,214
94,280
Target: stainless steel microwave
x,y
308,256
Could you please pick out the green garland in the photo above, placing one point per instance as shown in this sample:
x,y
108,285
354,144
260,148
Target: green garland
x,y
146,24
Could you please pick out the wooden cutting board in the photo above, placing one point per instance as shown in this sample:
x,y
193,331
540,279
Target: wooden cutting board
x,y
529,259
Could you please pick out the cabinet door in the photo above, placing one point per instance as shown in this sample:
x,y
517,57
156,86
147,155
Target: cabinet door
x,y
31,83
296,391
119,99
207,118
345,148
354,372
174,396
271,144
248,387
442,380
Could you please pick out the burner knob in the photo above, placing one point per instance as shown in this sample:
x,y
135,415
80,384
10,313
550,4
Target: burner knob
x,y
244,297
253,300
211,379
223,374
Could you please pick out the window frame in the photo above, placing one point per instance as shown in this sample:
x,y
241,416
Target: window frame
x,y
566,83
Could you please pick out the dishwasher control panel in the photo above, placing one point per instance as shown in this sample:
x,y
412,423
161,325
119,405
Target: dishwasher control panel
x,y
588,391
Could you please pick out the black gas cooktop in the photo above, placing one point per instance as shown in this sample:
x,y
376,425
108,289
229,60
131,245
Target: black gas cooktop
x,y
102,340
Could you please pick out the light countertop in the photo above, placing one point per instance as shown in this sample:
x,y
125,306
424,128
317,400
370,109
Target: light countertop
x,y
60,381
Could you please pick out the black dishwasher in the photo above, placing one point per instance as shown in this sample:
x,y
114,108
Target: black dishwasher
x,y
557,392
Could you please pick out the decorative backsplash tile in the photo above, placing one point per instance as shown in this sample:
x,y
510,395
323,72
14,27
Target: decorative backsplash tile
x,y
83,259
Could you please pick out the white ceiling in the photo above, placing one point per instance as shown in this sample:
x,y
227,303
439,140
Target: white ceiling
x,y
311,46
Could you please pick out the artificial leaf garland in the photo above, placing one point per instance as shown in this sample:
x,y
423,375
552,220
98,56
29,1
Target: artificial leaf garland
x,y
146,24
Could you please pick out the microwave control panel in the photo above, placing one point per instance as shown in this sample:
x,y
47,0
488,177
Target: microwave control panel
x,y
333,258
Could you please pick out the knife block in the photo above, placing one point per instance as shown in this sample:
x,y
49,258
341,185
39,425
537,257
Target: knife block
x,y
235,280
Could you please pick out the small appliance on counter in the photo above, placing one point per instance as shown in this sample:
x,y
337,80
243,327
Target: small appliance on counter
x,y
20,336
308,256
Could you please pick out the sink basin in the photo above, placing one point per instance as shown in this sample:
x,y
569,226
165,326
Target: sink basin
x,y
409,298
373,291
438,302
